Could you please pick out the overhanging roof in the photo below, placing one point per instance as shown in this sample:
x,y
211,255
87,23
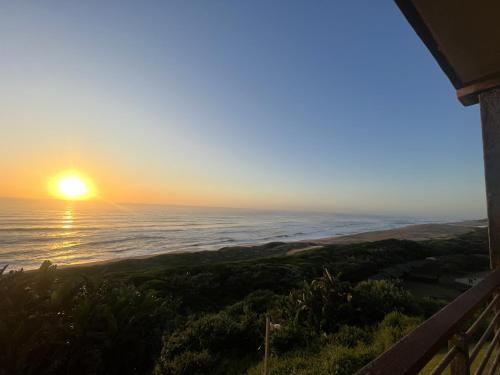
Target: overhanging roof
x,y
464,38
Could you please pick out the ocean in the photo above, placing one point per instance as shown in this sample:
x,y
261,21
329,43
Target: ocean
x,y
81,232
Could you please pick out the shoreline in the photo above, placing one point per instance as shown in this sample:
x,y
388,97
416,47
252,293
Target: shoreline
x,y
412,232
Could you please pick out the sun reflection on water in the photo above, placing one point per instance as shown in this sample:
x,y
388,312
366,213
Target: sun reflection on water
x,y
67,219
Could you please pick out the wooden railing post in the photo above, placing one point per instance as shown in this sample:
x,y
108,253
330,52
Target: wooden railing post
x,y
496,361
460,363
496,309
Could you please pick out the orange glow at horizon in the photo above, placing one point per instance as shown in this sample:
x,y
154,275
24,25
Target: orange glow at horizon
x,y
71,185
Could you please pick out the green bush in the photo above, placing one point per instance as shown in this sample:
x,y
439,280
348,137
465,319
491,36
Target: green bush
x,y
345,352
332,359
218,332
78,326
373,299
291,337
188,363
297,363
351,336
340,360
231,335
393,328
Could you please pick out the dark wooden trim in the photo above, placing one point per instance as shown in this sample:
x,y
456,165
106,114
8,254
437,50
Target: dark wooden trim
x,y
413,352
469,95
415,20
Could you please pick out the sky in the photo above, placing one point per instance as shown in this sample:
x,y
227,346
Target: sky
x,y
303,105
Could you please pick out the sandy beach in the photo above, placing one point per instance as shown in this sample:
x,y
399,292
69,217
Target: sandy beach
x,y
418,232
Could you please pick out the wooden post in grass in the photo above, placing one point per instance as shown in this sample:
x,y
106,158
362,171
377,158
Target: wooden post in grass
x,y
266,347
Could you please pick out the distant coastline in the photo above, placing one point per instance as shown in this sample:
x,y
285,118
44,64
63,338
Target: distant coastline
x,y
414,232
79,234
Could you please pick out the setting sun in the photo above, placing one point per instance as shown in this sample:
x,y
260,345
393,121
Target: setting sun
x,y
71,186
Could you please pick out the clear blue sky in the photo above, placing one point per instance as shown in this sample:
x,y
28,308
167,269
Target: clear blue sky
x,y
321,105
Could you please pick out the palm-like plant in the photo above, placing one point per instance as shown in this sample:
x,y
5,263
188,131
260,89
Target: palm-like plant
x,y
322,304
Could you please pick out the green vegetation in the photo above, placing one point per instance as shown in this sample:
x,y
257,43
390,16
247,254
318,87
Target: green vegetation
x,y
205,312
345,352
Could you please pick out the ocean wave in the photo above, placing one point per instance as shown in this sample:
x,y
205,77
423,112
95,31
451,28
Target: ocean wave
x,y
114,241
28,235
48,229
35,240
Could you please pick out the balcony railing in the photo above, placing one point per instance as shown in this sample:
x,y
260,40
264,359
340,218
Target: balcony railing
x,y
453,326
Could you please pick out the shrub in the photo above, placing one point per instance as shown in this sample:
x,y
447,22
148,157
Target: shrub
x,y
332,359
189,363
290,337
373,299
340,360
392,329
233,333
51,326
293,363
350,336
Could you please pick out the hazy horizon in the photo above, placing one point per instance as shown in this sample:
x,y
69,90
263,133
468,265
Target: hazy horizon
x,y
324,107
124,205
